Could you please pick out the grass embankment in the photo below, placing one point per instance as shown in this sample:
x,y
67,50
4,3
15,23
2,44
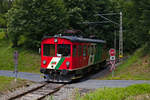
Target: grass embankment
x,y
137,67
133,92
29,61
8,84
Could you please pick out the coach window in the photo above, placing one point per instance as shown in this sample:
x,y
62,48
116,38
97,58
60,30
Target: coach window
x,y
84,50
74,50
63,50
48,50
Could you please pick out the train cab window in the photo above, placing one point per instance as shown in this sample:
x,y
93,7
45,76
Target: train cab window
x,y
84,50
48,50
63,50
74,50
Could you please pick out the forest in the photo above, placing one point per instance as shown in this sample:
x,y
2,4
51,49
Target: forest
x,y
25,22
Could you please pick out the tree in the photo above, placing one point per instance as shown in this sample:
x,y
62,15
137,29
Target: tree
x,y
5,5
33,19
136,23
80,11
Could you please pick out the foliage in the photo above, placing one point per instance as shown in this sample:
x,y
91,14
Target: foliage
x,y
28,22
32,19
35,18
136,23
81,11
2,35
118,93
2,21
5,5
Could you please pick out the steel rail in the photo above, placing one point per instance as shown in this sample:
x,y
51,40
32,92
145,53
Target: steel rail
x,y
36,89
54,91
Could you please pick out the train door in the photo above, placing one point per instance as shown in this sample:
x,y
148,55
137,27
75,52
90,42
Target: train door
x,y
92,54
75,56
80,55
84,62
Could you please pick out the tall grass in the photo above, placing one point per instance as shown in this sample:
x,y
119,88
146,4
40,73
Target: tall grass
x,y
132,59
118,93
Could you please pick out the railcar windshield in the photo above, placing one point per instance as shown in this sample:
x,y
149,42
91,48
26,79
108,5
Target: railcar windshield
x,y
48,50
63,50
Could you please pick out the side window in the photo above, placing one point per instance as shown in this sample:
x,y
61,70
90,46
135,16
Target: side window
x,y
80,50
74,50
84,50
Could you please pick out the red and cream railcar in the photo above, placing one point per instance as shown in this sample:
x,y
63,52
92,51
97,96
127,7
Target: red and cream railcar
x,y
64,58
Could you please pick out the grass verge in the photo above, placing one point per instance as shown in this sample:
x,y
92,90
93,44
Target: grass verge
x,y
133,92
8,84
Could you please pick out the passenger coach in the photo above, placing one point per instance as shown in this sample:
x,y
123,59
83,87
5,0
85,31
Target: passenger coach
x,y
64,58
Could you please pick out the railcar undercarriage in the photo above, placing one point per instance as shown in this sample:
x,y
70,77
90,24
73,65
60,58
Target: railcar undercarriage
x,y
66,76
53,75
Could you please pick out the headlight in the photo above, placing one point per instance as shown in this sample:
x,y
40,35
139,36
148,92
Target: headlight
x,y
67,63
55,40
44,62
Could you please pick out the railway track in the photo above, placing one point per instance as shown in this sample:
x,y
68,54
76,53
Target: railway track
x,y
38,92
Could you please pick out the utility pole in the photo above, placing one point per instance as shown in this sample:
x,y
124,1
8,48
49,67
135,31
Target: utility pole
x,y
115,40
120,39
107,20
120,32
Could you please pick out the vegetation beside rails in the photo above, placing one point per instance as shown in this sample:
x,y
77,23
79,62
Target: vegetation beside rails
x,y
9,84
133,92
28,61
137,67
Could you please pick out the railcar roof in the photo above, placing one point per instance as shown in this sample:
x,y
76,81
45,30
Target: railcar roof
x,y
77,39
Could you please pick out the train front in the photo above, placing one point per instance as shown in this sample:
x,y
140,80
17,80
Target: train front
x,y
56,59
